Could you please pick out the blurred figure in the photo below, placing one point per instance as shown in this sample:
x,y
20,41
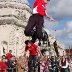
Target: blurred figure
x,y
9,54
56,48
42,66
64,65
70,65
3,56
49,64
21,64
11,64
54,64
46,64
3,66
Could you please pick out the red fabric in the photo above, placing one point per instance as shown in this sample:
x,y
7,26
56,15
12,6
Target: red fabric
x,y
3,67
41,7
8,56
32,49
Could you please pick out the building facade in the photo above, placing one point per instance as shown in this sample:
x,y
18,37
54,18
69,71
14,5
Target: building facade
x,y
14,15
60,45
69,52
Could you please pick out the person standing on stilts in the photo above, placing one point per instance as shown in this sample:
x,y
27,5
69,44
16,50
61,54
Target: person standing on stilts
x,y
36,20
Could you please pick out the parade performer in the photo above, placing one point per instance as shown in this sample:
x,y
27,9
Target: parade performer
x,y
9,55
36,20
64,65
33,52
56,48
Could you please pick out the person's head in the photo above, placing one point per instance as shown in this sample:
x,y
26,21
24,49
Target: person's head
x,y
3,56
12,58
28,43
46,1
10,51
53,57
3,60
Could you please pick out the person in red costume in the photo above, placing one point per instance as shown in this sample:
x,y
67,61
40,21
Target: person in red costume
x,y
9,55
33,52
36,20
3,66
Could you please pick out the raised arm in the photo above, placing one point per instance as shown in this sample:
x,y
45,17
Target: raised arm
x,y
38,50
49,17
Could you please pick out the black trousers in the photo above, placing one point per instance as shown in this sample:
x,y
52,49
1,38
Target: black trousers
x,y
32,63
36,21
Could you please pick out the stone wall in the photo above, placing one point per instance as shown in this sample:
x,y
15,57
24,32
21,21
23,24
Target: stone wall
x,y
13,19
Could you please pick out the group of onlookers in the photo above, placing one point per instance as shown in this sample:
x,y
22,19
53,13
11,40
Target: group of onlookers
x,y
54,64
8,63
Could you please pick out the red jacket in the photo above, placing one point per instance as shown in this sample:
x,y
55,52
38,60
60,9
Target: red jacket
x,y
3,67
32,49
40,7
8,56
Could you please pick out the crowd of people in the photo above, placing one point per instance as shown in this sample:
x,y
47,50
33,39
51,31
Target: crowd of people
x,y
44,62
10,63
36,62
54,64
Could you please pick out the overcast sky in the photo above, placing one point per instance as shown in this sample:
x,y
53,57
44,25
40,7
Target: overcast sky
x,y
61,10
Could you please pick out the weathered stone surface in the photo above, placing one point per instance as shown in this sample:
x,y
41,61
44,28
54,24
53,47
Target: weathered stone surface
x,y
13,19
14,15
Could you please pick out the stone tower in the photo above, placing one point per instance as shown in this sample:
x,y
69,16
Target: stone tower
x,y
19,1
14,15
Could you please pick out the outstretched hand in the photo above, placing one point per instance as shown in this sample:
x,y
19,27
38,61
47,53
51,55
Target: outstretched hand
x,y
51,18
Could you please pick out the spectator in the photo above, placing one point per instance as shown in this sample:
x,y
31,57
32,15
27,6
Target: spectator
x,y
11,64
54,64
46,63
70,65
9,54
56,48
49,64
3,66
3,56
64,64
20,64
42,66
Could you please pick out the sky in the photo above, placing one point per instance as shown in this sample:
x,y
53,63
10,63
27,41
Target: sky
x,y
61,11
